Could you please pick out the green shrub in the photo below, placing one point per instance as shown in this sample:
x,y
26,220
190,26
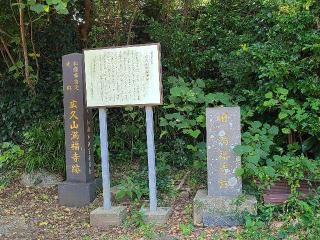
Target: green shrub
x,y
44,144
135,185
186,229
11,156
264,161
132,189
184,118
256,149
263,54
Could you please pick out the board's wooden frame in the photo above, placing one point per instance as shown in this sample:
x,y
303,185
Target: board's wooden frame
x,y
129,105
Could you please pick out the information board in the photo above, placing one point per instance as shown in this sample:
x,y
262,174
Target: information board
x,y
123,76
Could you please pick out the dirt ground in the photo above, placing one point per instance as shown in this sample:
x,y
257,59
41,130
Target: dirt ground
x,y
34,213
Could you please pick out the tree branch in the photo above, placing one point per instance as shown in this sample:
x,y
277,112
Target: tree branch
x,y
33,46
4,33
131,24
4,58
7,50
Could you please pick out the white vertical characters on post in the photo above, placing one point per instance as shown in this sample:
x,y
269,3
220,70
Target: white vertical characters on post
x,y
105,158
151,160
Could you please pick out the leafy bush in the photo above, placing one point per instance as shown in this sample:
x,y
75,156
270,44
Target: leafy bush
x,y
135,185
184,120
131,189
11,156
44,144
267,61
261,158
21,108
296,219
265,56
256,150
186,229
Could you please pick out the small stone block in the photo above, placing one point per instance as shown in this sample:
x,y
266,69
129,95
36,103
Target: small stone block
x,y
221,210
76,194
228,220
159,217
103,218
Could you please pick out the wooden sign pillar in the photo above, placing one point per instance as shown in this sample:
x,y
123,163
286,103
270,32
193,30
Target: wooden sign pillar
x,y
79,187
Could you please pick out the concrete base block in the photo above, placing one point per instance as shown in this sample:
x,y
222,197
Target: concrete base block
x,y
75,194
159,217
221,211
103,218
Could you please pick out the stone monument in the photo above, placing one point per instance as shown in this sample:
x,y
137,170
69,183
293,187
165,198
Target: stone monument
x,y
223,203
117,77
79,188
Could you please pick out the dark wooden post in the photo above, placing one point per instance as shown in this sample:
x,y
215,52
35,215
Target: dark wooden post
x,y
80,187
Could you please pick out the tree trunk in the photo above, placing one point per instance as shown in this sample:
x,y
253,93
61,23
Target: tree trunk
x,y
84,28
24,46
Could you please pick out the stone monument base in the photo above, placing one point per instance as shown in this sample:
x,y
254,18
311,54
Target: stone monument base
x,y
76,194
103,218
221,210
159,217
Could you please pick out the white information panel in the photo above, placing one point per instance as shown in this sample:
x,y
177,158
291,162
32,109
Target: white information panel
x,y
123,76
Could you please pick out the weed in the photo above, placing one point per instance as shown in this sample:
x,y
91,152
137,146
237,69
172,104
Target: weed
x,y
186,229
